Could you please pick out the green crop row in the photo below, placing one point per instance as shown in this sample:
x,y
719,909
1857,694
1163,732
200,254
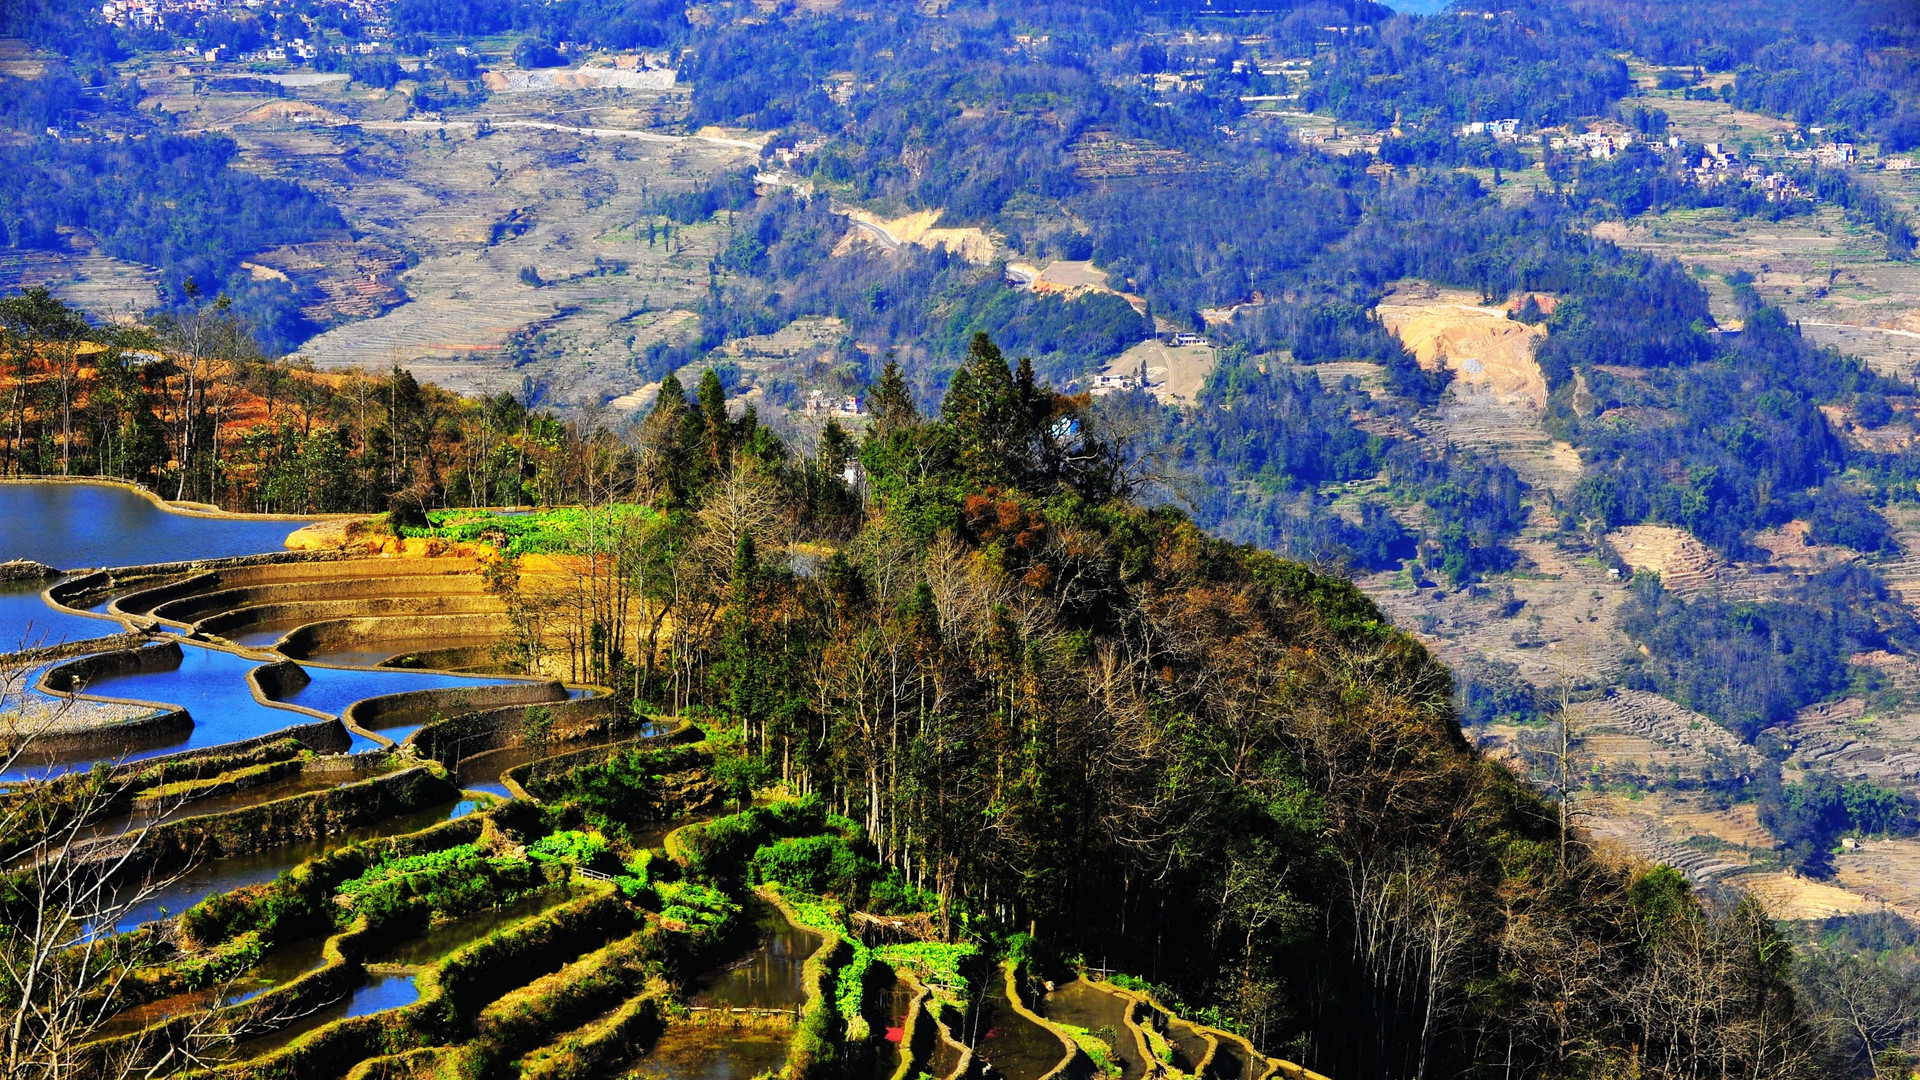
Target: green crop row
x,y
939,965
827,918
558,530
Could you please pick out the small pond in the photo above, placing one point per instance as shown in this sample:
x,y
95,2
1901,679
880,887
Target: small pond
x,y
26,622
1085,1005
887,1011
438,941
283,965
209,683
377,994
1189,1046
1016,1047
333,689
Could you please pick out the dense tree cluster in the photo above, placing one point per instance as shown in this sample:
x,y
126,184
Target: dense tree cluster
x,y
192,409
1052,709
175,203
1751,665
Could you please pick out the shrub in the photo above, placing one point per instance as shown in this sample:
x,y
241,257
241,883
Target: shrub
x,y
568,846
941,966
824,865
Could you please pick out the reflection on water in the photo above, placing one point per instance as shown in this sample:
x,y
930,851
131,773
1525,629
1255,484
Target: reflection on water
x,y
1083,1004
768,977
377,994
285,964
887,1011
1229,1062
210,684
945,1058
1189,1046
1014,1046
26,622
331,690
86,525
455,934
712,1052
190,886
215,804
353,657
262,636
482,772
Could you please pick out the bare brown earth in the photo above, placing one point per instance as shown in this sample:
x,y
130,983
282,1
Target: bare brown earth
x,y
491,250
1827,273
1175,373
1483,348
1554,621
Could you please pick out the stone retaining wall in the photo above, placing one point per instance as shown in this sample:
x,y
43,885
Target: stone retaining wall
x,y
316,610
279,567
422,706
303,641
275,681
312,816
72,677
203,602
518,777
480,730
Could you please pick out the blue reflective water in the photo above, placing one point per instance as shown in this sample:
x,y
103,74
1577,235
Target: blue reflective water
x,y
26,622
189,887
383,992
212,685
333,689
80,525
377,994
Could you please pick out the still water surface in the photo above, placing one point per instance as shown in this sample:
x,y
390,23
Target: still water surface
x,y
26,622
90,525
769,976
702,1052
225,875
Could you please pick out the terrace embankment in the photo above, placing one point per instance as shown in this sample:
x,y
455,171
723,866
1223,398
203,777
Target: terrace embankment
x,y
312,816
478,728
368,599
424,706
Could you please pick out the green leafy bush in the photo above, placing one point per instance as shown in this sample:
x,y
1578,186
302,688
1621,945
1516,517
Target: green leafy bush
x,y
703,910
449,881
573,846
939,965
561,529
723,845
826,865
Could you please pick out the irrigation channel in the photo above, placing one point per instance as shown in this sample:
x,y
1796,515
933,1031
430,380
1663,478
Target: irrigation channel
x,y
286,726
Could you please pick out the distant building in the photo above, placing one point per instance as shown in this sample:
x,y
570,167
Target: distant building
x,y
822,404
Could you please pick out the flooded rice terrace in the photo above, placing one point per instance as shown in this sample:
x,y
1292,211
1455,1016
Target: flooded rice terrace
x,y
769,975
76,526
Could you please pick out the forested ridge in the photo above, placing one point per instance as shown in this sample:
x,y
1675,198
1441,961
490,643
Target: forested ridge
x,y
1085,669
1055,710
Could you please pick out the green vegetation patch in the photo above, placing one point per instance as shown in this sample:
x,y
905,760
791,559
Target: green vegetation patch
x,y
940,965
556,530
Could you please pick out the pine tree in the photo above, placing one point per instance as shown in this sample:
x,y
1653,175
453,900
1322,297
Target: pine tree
x,y
716,434
890,403
982,407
